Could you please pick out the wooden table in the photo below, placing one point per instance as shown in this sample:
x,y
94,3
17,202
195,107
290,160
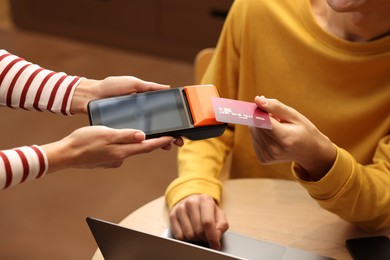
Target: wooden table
x,y
279,211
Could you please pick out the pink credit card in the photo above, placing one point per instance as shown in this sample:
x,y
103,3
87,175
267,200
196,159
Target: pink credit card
x,y
240,112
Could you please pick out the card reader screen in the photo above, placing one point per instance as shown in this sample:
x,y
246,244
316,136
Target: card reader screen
x,y
151,112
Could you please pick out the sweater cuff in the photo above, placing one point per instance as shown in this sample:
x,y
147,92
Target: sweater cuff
x,y
73,82
192,184
332,182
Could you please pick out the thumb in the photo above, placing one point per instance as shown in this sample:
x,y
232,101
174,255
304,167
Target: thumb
x,y
151,86
276,109
125,136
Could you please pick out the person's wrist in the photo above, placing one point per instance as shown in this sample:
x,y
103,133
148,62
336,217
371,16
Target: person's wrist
x,y
58,155
82,95
321,161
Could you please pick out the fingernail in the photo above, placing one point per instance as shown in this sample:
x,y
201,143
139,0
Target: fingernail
x,y
139,136
217,246
262,100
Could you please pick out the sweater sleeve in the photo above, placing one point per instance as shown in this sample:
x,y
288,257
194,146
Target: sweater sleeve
x,y
28,86
199,165
357,193
21,164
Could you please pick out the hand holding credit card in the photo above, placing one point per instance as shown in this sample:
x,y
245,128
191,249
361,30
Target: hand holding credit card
x,y
240,112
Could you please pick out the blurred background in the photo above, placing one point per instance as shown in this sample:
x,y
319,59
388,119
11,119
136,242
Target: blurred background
x,y
155,40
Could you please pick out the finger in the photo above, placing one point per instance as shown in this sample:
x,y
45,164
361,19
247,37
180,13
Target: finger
x,y
160,142
266,145
221,223
144,86
212,236
195,217
259,144
167,147
279,111
179,141
175,226
139,136
146,146
280,134
185,224
283,119
277,120
124,136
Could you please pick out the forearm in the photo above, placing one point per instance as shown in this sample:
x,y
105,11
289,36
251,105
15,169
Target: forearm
x,y
28,86
200,164
357,193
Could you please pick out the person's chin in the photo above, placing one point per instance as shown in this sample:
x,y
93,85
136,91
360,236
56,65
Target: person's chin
x,y
342,6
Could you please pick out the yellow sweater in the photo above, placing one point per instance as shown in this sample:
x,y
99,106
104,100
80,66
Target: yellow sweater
x,y
275,48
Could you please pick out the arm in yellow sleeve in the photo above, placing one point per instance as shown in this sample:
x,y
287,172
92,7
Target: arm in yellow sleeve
x,y
200,164
357,193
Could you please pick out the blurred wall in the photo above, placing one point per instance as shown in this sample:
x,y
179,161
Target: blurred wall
x,y
45,219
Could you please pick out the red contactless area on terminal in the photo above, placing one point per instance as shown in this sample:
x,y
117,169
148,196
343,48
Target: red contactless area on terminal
x,y
199,100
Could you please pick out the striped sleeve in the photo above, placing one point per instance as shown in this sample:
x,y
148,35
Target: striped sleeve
x,y
28,86
21,164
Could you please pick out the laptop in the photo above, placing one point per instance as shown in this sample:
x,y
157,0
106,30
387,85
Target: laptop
x,y
119,243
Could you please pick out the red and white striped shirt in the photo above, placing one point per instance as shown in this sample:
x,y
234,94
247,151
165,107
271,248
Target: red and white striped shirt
x,y
28,86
